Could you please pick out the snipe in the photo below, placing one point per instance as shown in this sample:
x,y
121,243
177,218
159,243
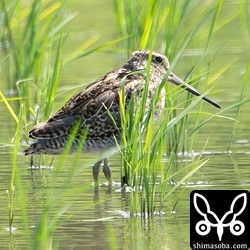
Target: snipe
x,y
92,107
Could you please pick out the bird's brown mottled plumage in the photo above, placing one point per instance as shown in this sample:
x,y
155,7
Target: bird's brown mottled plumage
x,y
89,108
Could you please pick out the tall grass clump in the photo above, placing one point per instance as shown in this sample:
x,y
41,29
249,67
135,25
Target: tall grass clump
x,y
32,37
163,26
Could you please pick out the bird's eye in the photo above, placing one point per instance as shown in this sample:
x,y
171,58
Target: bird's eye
x,y
158,59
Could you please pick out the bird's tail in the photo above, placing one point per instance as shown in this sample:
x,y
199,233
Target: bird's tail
x,y
35,148
43,147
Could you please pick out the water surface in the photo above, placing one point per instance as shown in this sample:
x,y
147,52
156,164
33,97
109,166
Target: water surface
x,y
89,219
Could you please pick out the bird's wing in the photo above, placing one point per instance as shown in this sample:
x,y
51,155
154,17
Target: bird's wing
x,y
87,107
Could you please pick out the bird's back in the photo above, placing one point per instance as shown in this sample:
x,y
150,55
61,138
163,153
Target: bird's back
x,y
95,111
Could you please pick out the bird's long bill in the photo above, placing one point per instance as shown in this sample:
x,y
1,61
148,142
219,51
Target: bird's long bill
x,y
177,81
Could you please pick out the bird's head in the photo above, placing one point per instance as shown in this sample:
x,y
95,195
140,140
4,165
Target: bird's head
x,y
159,66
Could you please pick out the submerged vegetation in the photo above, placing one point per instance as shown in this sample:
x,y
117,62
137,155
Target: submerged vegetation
x,y
32,40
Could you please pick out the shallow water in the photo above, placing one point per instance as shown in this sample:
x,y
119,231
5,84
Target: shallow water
x,y
85,218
